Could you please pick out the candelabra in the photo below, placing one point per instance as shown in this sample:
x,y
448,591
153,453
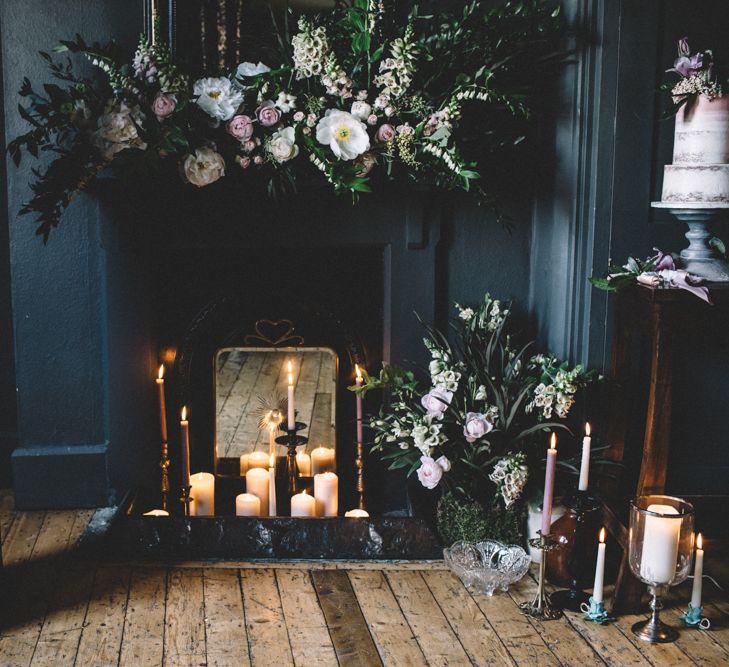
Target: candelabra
x,y
292,440
541,607
164,464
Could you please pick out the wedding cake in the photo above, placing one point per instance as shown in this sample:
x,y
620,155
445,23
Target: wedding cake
x,y
700,169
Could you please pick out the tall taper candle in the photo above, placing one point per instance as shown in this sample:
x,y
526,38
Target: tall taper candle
x,y
292,409
359,381
585,467
162,406
698,573
597,588
549,485
185,448
272,486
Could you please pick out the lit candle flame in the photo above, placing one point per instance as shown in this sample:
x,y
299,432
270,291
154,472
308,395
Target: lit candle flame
x,y
553,441
161,372
602,535
587,429
184,413
357,370
699,541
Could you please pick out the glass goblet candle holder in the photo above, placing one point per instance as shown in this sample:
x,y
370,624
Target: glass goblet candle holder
x,y
660,550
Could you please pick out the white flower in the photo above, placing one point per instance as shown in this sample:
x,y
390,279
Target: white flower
x,y
282,146
249,69
286,102
117,130
299,116
343,133
361,110
204,167
217,97
466,314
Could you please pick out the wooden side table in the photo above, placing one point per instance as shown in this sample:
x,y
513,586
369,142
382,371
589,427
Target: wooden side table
x,y
666,319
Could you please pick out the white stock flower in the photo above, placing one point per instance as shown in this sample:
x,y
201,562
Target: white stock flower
x,y
343,133
361,110
217,97
247,69
282,145
286,102
204,167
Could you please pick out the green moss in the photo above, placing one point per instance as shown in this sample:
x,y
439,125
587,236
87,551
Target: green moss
x,y
469,520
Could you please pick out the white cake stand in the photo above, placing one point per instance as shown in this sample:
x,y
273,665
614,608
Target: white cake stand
x,y
699,258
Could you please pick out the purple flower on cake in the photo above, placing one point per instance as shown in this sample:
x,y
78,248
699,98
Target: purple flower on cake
x,y
268,114
240,127
664,261
476,426
436,402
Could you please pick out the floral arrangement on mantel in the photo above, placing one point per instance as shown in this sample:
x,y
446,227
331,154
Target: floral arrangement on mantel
x,y
479,430
353,95
698,75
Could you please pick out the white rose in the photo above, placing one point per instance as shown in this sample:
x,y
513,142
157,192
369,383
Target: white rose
x,y
361,110
343,133
217,97
282,146
204,167
249,69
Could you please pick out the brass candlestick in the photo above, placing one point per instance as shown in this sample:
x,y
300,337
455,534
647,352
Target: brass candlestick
x,y
164,464
541,607
360,476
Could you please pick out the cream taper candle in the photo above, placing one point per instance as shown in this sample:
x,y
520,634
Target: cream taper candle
x,y
185,448
585,467
162,405
698,573
597,588
291,406
549,485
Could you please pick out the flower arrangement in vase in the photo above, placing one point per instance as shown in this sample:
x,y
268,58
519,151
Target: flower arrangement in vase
x,y
353,98
478,431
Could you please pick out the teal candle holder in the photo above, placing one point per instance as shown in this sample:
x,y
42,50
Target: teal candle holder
x,y
692,618
595,612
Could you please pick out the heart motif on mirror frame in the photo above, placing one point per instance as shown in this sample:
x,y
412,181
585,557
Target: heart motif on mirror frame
x,y
274,333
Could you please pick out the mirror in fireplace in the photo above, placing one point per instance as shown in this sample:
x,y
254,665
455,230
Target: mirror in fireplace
x,y
251,406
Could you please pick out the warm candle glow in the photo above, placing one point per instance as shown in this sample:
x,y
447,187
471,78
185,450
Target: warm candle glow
x,y
357,370
161,372
553,441
587,429
602,535
272,461
699,541
184,413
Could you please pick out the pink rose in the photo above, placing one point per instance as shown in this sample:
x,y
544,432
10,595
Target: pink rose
x,y
163,105
476,426
268,114
444,463
240,127
243,162
384,133
436,402
429,472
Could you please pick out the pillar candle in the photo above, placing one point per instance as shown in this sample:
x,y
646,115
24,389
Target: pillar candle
x,y
549,485
597,588
698,573
302,504
272,486
291,406
326,494
185,448
359,404
162,406
258,460
356,514
246,504
203,494
244,464
585,467
660,545
322,460
257,484
157,513
303,463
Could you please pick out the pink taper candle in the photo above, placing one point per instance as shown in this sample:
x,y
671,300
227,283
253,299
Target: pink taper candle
x,y
185,448
549,485
359,404
162,407
292,409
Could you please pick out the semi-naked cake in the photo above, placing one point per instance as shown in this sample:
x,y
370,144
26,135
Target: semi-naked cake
x,y
700,169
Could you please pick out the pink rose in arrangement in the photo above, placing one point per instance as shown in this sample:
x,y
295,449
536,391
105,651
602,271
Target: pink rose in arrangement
x,y
243,161
436,402
240,127
268,114
384,133
429,472
476,426
163,105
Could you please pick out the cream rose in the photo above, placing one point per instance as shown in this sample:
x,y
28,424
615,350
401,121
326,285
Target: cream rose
x,y
204,167
282,146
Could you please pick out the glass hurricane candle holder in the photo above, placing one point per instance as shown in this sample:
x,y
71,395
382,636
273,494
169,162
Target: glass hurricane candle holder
x,y
660,550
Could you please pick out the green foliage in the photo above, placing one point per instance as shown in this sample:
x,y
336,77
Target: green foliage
x,y
468,520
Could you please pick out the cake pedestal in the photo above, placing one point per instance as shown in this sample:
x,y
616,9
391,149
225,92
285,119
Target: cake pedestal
x,y
699,258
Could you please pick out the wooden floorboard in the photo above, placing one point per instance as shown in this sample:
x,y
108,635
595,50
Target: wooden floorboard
x,y
59,610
